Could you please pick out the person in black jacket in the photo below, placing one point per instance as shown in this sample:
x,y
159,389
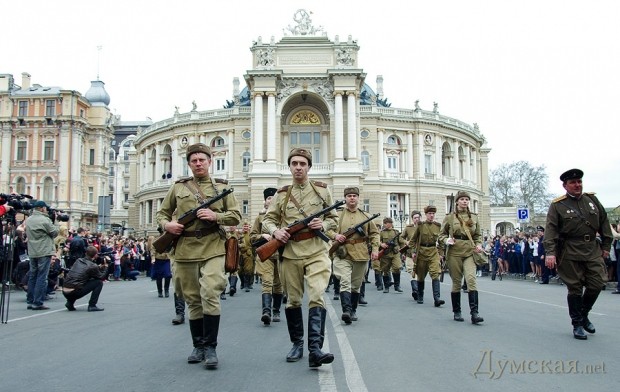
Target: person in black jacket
x,y
77,247
85,277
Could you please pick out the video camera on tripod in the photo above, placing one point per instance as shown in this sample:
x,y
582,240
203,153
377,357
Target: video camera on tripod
x,y
25,203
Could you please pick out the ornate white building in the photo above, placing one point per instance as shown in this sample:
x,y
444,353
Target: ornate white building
x,y
309,91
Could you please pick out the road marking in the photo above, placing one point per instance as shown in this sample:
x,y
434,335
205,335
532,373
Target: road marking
x,y
352,372
536,302
38,313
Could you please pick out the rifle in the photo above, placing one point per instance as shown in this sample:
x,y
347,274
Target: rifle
x,y
352,230
270,247
444,261
391,244
168,240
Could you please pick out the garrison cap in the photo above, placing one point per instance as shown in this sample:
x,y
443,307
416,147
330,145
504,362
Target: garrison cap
x,y
415,212
269,192
572,174
198,147
351,189
301,152
428,209
387,220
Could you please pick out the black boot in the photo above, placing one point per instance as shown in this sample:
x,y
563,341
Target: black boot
x,y
248,284
436,294
397,288
473,306
420,292
414,289
355,297
378,281
223,295
211,327
345,300
362,299
266,317
277,303
167,287
316,335
588,300
295,323
198,340
232,281
386,283
575,304
336,289
241,281
160,292
179,309
456,306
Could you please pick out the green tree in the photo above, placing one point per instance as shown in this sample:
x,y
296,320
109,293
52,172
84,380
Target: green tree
x,y
520,183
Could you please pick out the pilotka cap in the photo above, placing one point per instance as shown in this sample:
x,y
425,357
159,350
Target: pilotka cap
x,y
428,209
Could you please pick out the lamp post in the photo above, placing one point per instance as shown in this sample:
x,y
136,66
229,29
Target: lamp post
x,y
123,228
401,218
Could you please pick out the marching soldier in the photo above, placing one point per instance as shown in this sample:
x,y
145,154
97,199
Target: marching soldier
x,y
199,253
305,257
351,258
270,277
247,258
573,223
409,259
390,261
425,253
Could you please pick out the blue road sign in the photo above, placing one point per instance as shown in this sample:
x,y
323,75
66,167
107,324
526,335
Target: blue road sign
x,y
523,214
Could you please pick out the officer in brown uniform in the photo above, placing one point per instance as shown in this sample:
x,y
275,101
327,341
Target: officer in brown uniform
x,y
456,229
390,262
351,257
270,276
425,252
409,260
199,252
305,255
573,222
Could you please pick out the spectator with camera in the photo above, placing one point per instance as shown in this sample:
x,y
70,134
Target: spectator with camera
x,y
77,247
41,233
85,277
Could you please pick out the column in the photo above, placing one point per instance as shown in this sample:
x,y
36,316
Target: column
x,y
380,154
421,157
338,128
410,155
406,206
271,127
231,158
7,156
258,126
76,164
454,160
351,127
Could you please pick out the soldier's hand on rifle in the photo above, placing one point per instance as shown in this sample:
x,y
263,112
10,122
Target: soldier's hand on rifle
x,y
550,262
383,245
340,238
206,214
374,255
174,227
315,224
450,241
281,235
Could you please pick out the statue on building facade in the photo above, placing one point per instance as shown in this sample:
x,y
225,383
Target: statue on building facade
x,y
194,106
304,24
417,105
266,58
435,107
344,57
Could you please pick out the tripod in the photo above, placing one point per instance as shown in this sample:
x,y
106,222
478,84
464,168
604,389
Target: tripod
x,y
7,244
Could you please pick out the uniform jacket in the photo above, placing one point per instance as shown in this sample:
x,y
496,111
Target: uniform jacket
x,y
407,234
355,249
426,233
451,227
388,235
41,233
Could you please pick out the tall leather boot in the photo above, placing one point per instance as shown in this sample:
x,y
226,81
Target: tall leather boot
x,y
232,281
295,324
277,303
336,289
436,294
211,328
575,304
197,330
420,299
345,300
588,299
362,295
473,307
355,297
414,289
456,306
248,282
316,335
160,290
266,317
386,283
397,288
179,310
378,281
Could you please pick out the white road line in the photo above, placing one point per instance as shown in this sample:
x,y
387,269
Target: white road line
x,y
536,302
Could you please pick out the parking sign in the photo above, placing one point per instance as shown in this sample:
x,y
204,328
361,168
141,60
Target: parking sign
x,y
523,213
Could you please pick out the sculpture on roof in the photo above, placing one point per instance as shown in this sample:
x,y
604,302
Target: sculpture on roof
x,y
344,57
304,24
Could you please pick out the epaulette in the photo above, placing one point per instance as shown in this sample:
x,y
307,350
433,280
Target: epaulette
x,y
319,183
591,193
182,180
437,223
283,189
559,199
221,181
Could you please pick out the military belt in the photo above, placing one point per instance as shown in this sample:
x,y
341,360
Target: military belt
x,y
200,233
585,237
461,237
303,236
428,245
357,241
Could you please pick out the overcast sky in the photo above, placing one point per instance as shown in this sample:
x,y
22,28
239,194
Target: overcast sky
x,y
541,78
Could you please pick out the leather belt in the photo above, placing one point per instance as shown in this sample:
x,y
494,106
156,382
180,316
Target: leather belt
x,y
200,233
585,237
428,245
303,236
357,241
461,237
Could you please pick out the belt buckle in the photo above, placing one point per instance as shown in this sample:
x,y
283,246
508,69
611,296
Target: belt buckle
x,y
198,234
586,238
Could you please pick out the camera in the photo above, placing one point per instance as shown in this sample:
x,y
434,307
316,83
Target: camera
x,y
59,215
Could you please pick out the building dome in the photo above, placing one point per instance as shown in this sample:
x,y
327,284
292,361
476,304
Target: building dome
x,y
97,95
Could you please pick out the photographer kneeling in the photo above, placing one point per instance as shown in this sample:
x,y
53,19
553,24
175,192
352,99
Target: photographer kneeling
x,y
85,277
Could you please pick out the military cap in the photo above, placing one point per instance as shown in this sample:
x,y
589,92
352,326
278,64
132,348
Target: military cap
x,y
351,189
540,228
40,204
428,209
269,192
301,152
460,194
572,174
198,147
387,220
415,212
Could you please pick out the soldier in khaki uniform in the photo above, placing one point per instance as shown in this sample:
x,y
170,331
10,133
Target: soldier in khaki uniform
x,y
351,258
268,269
573,223
247,262
424,251
390,261
459,251
409,260
305,255
199,253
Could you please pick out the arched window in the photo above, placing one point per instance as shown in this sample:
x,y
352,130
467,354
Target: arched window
x,y
217,142
446,159
48,189
461,162
365,160
20,185
246,161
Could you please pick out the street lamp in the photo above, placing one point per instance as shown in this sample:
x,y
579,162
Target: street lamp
x,y
401,218
123,228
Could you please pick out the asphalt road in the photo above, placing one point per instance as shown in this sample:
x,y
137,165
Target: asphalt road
x,y
525,343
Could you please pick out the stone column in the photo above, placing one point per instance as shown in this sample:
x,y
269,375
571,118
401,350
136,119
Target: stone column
x,y
271,127
338,127
409,155
258,126
231,158
380,154
351,127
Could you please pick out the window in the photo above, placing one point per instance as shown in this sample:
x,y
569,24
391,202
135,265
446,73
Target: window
x,y
365,160
428,164
310,140
366,205
82,113
246,161
91,156
245,207
23,109
392,140
111,171
391,163
50,108
48,189
126,168
246,135
126,155
48,150
217,142
91,194
126,183
20,185
126,197
21,151
364,134
220,164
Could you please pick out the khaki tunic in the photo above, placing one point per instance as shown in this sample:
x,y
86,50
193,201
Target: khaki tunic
x,y
410,262
459,256
427,254
391,260
268,269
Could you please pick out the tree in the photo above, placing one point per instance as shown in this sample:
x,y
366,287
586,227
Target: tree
x,y
520,183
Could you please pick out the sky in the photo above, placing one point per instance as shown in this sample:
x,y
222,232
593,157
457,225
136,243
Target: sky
x,y
540,78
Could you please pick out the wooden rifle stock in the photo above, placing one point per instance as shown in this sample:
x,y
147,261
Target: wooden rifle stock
x,y
166,241
352,230
270,247
391,244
